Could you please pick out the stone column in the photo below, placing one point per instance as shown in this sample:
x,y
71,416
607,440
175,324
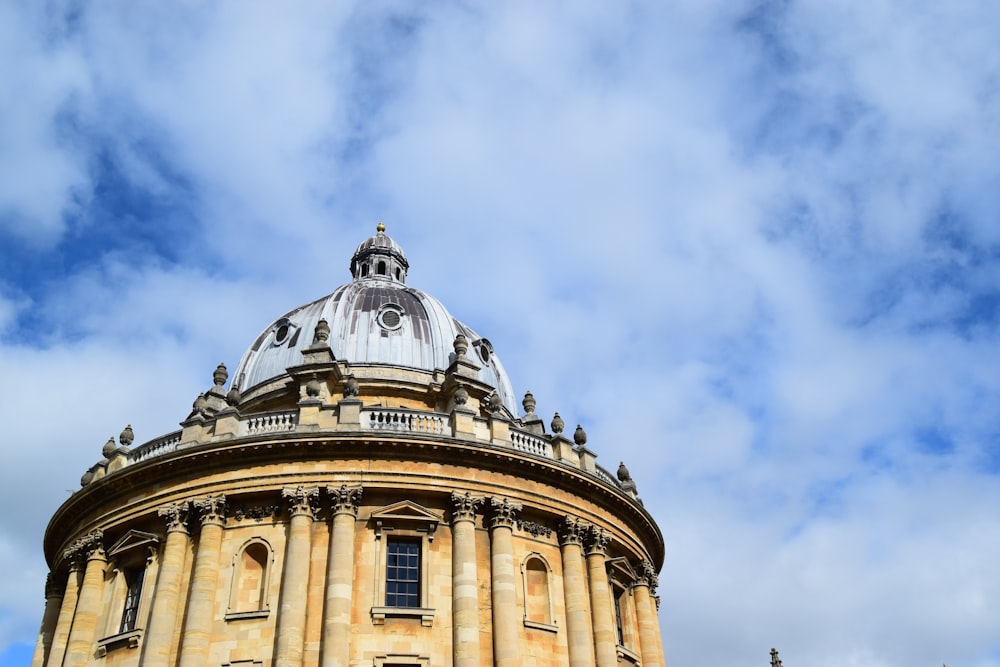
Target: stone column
x,y
159,637
464,580
605,635
336,645
649,645
295,575
204,582
61,635
80,648
506,645
53,600
579,627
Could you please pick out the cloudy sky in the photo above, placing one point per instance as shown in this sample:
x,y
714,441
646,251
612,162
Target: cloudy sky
x,y
753,247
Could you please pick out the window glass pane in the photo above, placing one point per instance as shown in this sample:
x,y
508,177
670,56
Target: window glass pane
x,y
402,573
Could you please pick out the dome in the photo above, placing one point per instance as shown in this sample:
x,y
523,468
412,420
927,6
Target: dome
x,y
376,319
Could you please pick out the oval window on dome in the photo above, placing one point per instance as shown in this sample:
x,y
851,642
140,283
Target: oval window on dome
x,y
282,331
390,317
485,349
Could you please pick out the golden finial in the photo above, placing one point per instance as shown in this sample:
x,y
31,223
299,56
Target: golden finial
x,y
380,227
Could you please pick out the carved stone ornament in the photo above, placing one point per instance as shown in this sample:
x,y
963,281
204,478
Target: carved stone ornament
x,y
256,512
534,529
557,424
313,387
775,660
495,402
322,333
233,398
344,499
109,448
623,473
127,437
176,515
351,387
211,508
572,530
461,396
461,345
528,403
54,585
301,499
580,436
597,540
83,548
502,513
464,506
220,375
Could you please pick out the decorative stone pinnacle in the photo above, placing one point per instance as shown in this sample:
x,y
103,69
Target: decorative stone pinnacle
x,y
127,437
572,530
313,387
234,397
557,424
580,436
503,513
322,333
301,499
109,448
495,402
528,403
176,515
211,508
461,345
220,375
351,387
461,396
463,507
344,499
200,403
775,660
623,473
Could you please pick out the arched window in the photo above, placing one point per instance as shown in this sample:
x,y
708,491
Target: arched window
x,y
397,273
380,269
251,568
537,594
364,270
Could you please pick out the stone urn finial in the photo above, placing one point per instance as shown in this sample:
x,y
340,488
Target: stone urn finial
x,y
495,402
461,396
200,403
127,437
461,345
351,387
528,403
580,436
234,397
109,448
220,375
322,333
623,473
557,424
313,387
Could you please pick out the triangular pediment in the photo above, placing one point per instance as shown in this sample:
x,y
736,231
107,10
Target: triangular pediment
x,y
406,510
133,540
619,570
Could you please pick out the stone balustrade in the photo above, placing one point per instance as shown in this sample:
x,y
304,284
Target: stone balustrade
x,y
406,421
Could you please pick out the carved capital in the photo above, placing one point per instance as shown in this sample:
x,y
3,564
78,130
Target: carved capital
x,y
597,541
176,516
54,585
647,576
464,506
344,499
84,548
572,530
502,513
211,509
301,499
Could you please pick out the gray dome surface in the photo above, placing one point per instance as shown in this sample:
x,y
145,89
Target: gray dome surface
x,y
374,319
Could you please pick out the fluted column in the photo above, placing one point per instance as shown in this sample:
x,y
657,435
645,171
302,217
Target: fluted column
x,y
53,600
295,576
159,637
70,596
80,648
506,644
464,583
336,645
204,581
600,599
579,629
649,645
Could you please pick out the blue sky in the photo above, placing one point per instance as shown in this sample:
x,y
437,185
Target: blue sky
x,y
753,247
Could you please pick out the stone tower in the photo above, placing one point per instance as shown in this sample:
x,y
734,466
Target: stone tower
x,y
368,493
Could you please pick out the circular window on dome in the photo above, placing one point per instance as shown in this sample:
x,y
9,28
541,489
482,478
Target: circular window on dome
x,y
390,317
485,349
283,330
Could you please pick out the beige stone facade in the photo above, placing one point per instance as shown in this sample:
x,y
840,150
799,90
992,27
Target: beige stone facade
x,y
355,512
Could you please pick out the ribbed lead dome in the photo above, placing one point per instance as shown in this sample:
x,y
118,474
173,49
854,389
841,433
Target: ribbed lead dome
x,y
374,319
